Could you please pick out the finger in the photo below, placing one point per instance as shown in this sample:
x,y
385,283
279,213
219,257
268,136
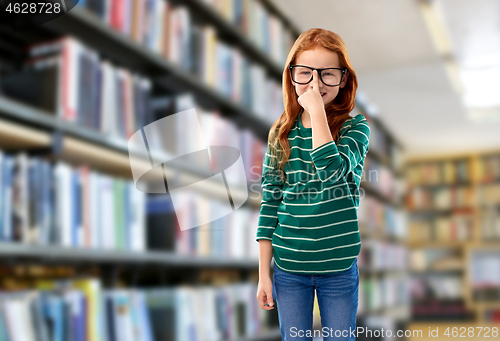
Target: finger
x,y
315,83
270,300
262,302
269,304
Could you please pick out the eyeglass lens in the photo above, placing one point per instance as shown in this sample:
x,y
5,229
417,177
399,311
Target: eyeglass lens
x,y
302,74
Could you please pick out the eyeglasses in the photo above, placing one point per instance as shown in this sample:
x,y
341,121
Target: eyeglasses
x,y
331,76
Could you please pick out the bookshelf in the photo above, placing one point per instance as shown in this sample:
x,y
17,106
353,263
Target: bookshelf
x,y
70,255
98,150
27,128
384,281
34,130
453,231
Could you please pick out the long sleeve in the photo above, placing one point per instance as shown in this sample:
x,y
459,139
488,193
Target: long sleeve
x,y
272,184
334,161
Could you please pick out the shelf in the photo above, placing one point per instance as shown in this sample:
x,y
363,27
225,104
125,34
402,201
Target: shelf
x,y
231,34
486,305
99,151
13,135
397,311
122,49
443,244
368,271
484,245
381,236
377,194
273,9
448,211
443,185
62,255
429,272
377,121
377,156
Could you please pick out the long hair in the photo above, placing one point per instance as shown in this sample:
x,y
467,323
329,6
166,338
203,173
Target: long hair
x,y
337,112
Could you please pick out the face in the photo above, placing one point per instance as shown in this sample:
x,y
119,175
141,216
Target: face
x,y
319,58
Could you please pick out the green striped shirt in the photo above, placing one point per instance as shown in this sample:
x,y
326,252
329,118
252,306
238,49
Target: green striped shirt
x,y
311,218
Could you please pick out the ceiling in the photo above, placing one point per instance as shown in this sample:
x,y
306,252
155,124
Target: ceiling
x,y
400,70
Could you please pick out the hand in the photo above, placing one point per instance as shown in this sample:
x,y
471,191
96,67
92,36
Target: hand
x,y
265,293
311,100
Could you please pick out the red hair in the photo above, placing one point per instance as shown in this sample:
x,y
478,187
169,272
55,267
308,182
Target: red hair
x,y
337,112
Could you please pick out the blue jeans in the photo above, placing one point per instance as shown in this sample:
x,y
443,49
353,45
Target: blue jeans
x,y
337,299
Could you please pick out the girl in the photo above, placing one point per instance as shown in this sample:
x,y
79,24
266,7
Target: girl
x,y
310,181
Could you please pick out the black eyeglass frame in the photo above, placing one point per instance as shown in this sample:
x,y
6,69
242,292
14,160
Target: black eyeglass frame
x,y
344,70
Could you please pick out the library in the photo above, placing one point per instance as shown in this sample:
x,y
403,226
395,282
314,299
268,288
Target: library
x,y
87,252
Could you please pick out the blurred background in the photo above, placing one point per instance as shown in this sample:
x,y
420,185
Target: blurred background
x,y
85,255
